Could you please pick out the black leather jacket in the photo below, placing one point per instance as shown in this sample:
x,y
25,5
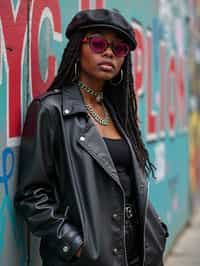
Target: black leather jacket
x,y
68,187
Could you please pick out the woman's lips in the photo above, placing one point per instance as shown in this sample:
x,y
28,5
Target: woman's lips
x,y
105,66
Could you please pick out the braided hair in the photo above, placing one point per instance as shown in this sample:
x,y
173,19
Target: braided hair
x,y
123,100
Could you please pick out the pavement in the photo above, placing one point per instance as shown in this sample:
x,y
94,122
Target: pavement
x,y
186,251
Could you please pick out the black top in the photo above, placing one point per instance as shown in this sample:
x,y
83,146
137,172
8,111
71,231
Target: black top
x,y
121,156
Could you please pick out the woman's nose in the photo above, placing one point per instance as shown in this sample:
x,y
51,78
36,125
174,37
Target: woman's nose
x,y
108,52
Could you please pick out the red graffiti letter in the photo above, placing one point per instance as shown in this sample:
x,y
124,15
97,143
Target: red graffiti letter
x,y
181,94
171,94
42,9
162,88
14,29
151,115
86,4
99,3
138,60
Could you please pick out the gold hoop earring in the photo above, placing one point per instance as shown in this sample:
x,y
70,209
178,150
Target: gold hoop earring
x,y
119,81
76,72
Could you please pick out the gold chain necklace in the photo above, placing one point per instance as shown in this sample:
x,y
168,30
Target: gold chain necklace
x,y
99,98
102,121
97,94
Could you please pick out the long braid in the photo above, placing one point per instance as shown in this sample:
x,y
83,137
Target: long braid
x,y
70,56
123,98
133,125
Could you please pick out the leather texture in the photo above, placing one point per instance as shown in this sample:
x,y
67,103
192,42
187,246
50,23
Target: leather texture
x,y
68,188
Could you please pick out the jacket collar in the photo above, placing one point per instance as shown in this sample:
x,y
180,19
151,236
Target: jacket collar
x,y
72,103
72,100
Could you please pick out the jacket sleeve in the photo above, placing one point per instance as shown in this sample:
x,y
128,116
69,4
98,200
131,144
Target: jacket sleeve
x,y
35,198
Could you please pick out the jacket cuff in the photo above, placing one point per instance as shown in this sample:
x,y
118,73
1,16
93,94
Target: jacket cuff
x,y
68,250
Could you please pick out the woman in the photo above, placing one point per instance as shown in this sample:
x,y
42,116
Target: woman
x,y
82,188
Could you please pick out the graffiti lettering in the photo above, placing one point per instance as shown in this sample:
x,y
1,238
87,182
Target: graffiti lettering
x,y
6,206
13,23
162,87
138,60
88,4
171,116
41,10
151,114
171,96
7,158
181,98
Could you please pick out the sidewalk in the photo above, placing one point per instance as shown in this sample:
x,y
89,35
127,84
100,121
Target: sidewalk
x,y
186,252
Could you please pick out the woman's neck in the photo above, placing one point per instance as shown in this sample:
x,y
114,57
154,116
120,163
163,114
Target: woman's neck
x,y
94,84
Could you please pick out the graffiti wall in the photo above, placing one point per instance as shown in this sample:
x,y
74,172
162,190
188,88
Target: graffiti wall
x,y
32,38
194,123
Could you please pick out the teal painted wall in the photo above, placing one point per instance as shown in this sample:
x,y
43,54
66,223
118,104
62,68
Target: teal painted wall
x,y
31,44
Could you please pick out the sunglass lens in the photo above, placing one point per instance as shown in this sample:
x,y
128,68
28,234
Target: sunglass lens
x,y
121,49
98,45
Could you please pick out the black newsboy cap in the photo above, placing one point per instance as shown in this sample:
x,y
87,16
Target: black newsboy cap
x,y
102,18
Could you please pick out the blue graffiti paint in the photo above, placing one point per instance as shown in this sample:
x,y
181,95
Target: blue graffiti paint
x,y
6,207
6,174
2,224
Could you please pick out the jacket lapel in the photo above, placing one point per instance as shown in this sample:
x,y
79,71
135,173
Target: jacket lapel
x,y
89,139
93,143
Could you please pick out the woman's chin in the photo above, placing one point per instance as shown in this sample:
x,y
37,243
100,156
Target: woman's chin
x,y
106,76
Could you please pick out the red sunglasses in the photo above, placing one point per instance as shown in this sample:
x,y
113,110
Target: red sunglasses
x,y
99,45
